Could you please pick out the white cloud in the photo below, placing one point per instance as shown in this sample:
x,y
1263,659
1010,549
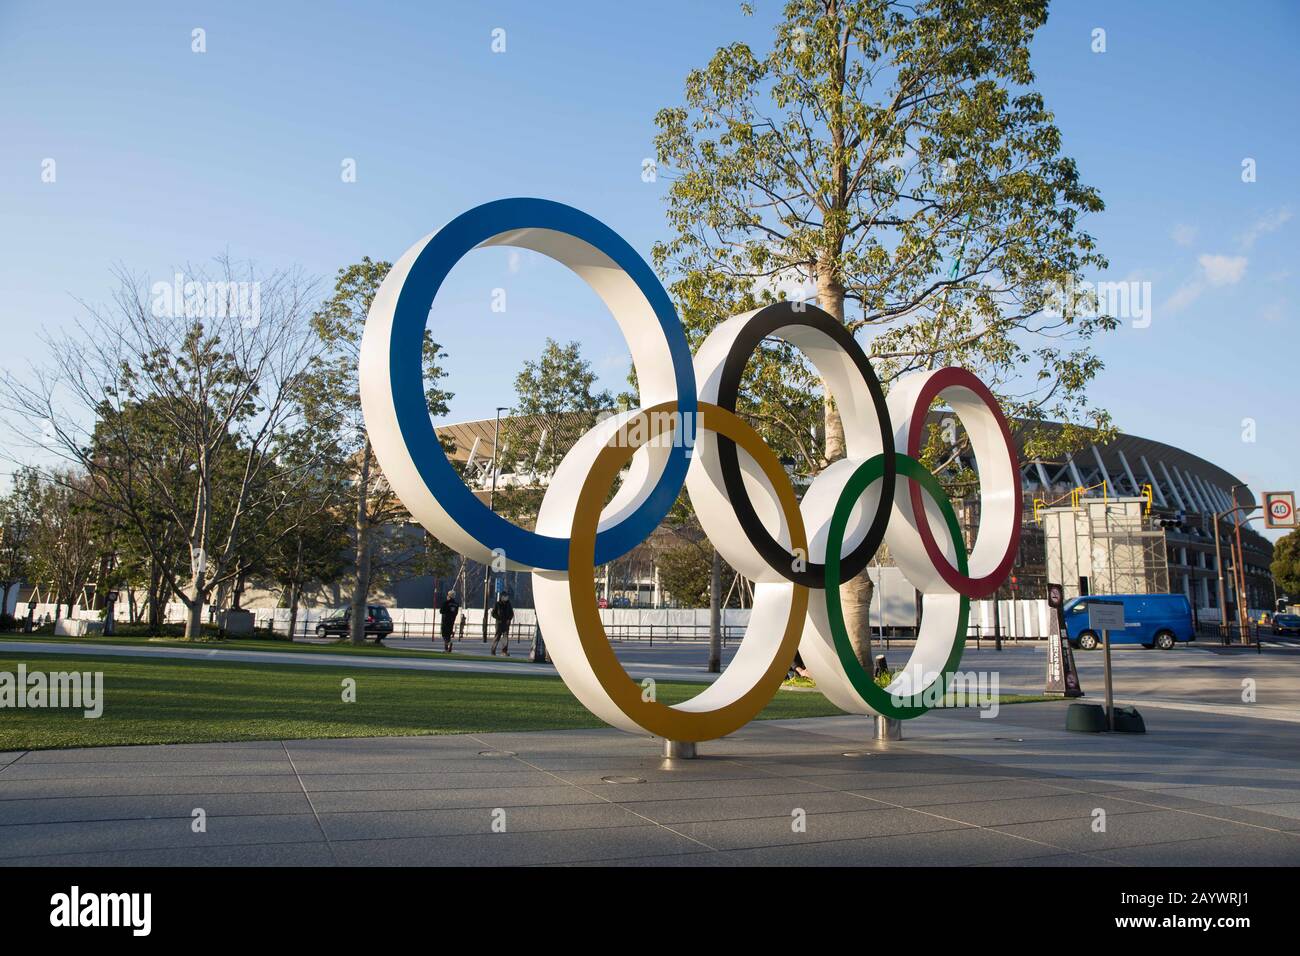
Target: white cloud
x,y
1274,312
1223,270
1271,221
1183,296
1215,270
1184,234
513,261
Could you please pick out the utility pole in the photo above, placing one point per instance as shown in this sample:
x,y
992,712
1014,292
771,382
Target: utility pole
x,y
1238,569
997,619
1243,611
1218,564
492,504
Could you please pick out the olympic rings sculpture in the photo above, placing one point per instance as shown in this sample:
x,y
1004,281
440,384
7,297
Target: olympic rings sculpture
x,y
687,434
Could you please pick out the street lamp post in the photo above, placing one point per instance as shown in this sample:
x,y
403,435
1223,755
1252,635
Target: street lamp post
x,y
1238,570
492,503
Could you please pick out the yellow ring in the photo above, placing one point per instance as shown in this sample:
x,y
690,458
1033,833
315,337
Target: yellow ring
x,y
661,719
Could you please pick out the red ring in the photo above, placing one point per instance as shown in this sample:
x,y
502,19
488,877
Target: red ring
x,y
970,587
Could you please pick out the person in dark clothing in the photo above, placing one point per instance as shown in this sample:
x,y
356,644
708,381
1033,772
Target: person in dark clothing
x,y
449,610
798,668
503,614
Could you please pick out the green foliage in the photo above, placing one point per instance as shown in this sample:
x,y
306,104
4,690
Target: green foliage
x,y
19,517
332,392
555,403
894,163
304,543
685,572
331,399
64,547
560,381
1286,564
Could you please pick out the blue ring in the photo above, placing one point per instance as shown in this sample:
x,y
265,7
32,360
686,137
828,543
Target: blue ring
x,y
406,373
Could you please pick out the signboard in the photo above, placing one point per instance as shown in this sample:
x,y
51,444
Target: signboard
x,y
1062,676
1106,615
1279,509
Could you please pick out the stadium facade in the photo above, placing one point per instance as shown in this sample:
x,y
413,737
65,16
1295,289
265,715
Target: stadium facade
x,y
1133,515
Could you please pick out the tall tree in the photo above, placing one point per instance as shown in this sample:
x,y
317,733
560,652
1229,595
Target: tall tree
x,y
306,543
332,399
213,367
19,516
150,549
1286,565
556,401
65,551
686,572
893,162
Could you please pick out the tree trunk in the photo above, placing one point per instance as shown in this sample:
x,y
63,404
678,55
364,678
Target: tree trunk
x,y
715,615
193,613
293,589
293,609
361,577
856,593
193,599
155,598
198,555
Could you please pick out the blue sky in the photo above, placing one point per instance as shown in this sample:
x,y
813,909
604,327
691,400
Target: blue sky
x,y
167,157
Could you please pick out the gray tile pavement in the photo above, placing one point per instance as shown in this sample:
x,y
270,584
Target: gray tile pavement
x,y
959,790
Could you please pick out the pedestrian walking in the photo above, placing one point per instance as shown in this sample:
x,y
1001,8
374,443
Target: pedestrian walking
x,y
503,614
449,610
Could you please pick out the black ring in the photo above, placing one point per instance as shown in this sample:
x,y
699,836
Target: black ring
x,y
764,322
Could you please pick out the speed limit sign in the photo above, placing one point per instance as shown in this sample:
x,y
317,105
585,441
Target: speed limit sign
x,y
1279,509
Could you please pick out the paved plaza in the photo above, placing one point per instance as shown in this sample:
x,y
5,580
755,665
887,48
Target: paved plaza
x,y
959,790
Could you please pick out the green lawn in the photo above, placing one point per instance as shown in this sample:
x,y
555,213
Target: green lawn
x,y
148,701
395,647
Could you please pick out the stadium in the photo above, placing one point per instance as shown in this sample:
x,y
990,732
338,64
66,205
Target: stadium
x,y
1134,515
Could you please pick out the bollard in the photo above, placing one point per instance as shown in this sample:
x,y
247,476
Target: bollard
x,y
888,728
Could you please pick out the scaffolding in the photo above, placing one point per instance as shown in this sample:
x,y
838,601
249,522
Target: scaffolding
x,y
1107,541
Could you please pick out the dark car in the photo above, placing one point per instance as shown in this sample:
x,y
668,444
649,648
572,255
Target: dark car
x,y
1286,623
339,624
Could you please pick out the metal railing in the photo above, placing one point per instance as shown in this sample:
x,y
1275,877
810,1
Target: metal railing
x,y
1231,634
522,632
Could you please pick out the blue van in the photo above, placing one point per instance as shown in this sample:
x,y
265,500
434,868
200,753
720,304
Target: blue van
x,y
1154,620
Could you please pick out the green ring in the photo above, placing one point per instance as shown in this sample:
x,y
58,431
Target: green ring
x,y
877,697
